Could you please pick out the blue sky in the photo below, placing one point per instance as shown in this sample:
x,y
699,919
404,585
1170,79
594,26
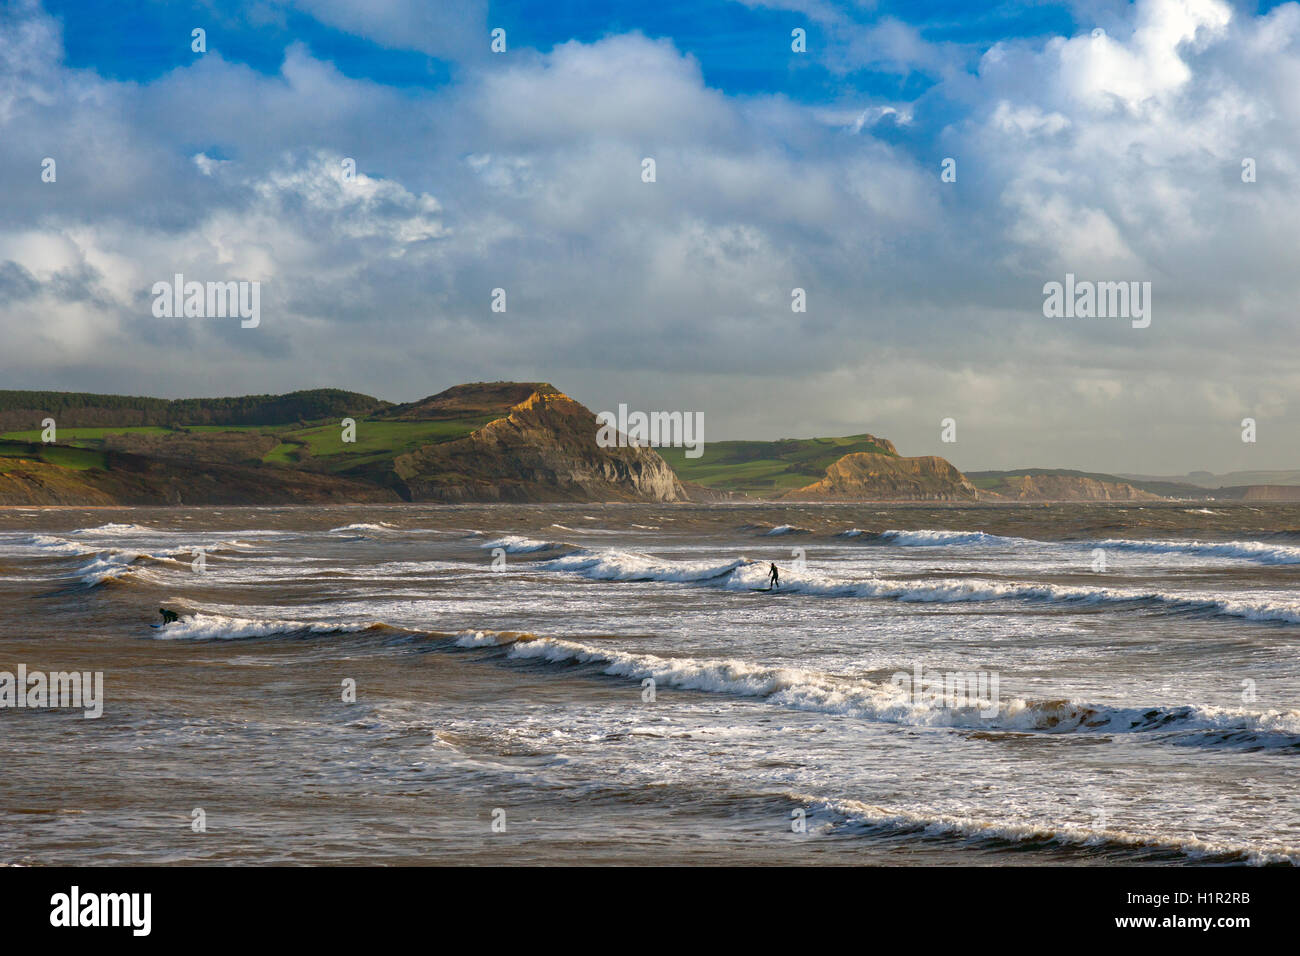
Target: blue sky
x,y
1095,137
742,49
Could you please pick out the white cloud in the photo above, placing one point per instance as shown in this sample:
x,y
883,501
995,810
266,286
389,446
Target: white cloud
x,y
1113,157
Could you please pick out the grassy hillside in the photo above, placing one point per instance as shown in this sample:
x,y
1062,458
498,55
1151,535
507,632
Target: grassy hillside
x,y
768,468
79,459
289,438
378,442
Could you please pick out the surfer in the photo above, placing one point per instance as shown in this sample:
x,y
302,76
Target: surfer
x,y
168,616
773,577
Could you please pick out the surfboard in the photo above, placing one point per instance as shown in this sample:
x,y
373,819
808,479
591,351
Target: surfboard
x,y
158,625
760,589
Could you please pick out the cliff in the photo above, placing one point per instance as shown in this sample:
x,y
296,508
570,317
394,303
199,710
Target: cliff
x,y
543,449
866,476
1042,487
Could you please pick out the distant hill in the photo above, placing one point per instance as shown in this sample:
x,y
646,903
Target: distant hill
x,y
864,476
1231,479
24,410
769,468
852,468
1061,484
485,441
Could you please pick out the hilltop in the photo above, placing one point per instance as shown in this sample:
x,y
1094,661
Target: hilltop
x,y
767,469
506,441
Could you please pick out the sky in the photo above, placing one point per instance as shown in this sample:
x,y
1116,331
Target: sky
x,y
1104,140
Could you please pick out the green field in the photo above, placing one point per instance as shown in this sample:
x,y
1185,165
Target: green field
x,y
72,435
766,467
79,459
376,441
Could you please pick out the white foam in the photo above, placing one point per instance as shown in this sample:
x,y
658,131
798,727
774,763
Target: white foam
x,y
1250,550
219,626
884,701
113,528
933,538
971,828
742,574
631,566
380,526
56,545
518,544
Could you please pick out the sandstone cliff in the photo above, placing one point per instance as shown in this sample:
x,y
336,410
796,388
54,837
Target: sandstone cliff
x,y
544,449
864,476
1065,488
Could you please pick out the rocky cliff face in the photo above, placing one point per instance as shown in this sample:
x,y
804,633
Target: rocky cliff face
x,y
863,476
1066,488
543,450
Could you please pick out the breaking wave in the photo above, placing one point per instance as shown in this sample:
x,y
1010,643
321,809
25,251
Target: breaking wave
x,y
880,821
1258,551
200,627
890,702
518,544
744,574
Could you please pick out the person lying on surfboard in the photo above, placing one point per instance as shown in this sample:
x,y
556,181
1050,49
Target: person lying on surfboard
x,y
774,577
168,616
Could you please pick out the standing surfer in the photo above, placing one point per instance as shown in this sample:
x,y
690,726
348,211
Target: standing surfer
x,y
773,577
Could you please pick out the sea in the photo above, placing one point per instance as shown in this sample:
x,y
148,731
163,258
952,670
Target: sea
x,y
927,684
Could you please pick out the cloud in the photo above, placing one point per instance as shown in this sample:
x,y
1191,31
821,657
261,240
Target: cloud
x,y
453,31
1116,156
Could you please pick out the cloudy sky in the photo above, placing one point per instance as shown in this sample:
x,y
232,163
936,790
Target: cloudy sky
x,y
1092,137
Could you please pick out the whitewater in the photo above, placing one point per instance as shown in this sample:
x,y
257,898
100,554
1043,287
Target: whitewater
x,y
358,684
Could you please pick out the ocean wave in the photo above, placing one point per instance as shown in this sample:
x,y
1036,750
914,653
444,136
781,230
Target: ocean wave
x,y
363,526
630,566
518,544
114,528
200,626
881,821
52,544
889,702
784,529
1258,551
491,638
931,538
744,574
120,564
108,567
1249,550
